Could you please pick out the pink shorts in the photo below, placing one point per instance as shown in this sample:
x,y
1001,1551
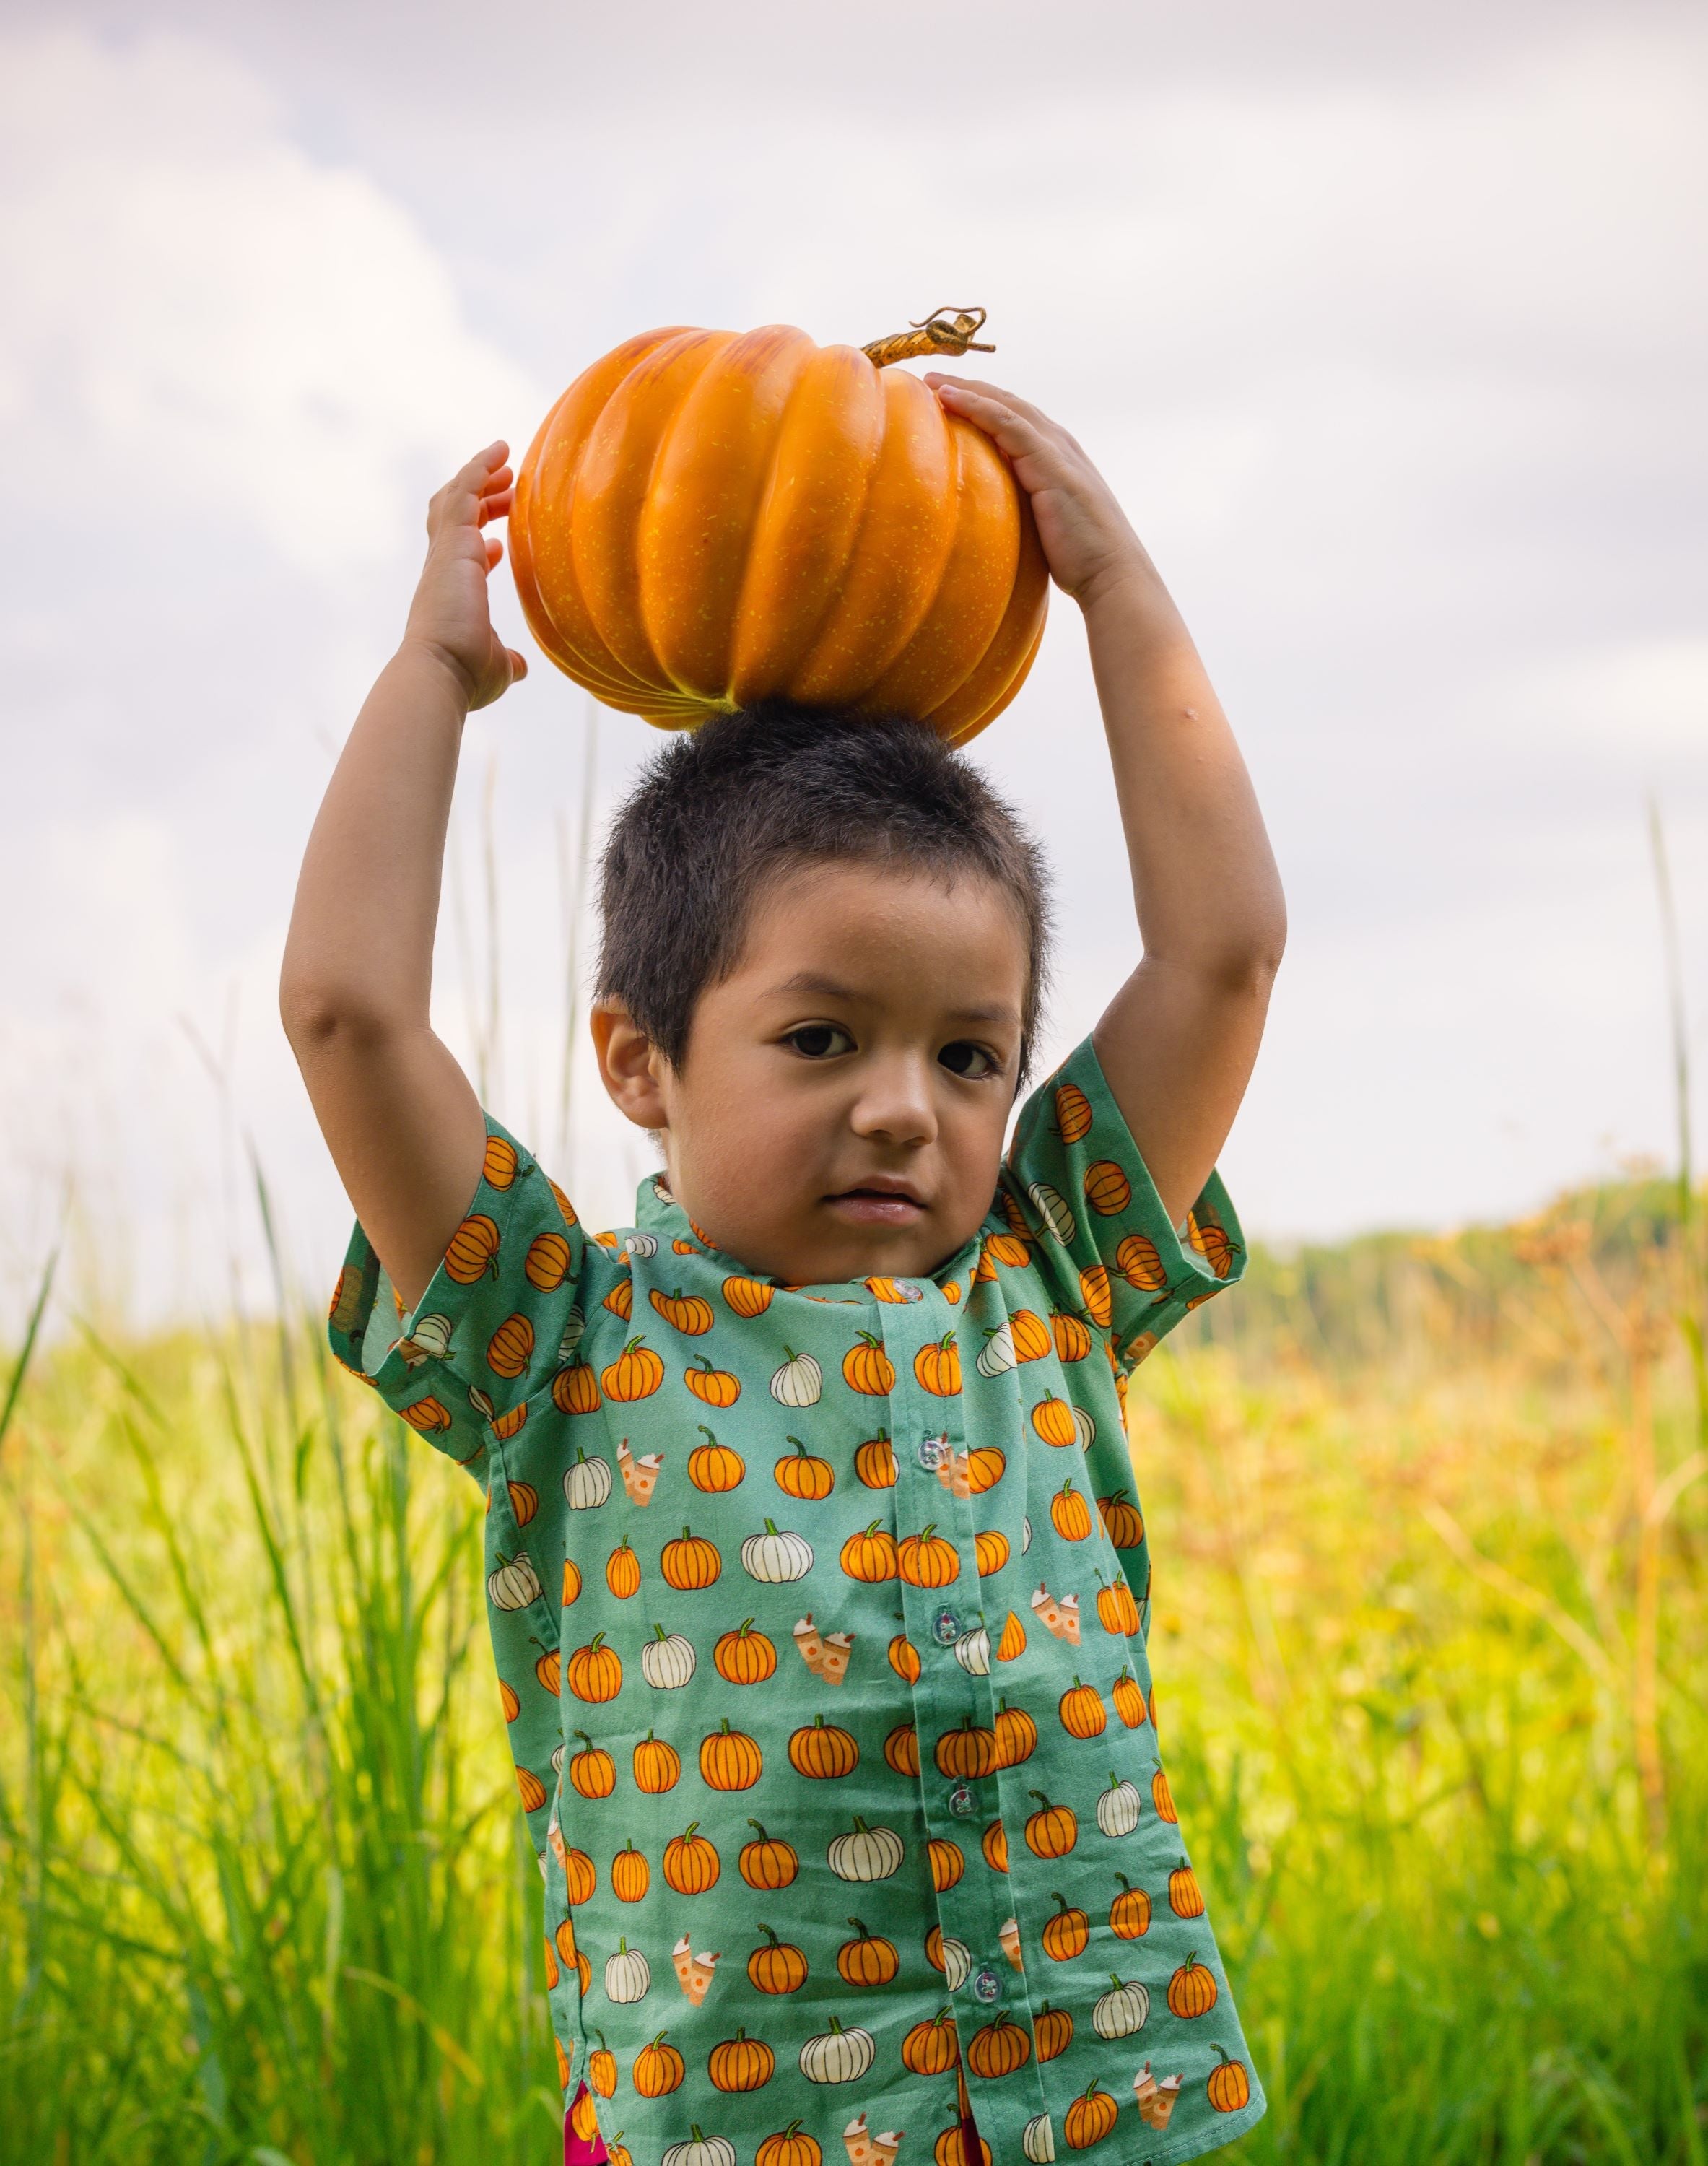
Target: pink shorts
x,y
580,2150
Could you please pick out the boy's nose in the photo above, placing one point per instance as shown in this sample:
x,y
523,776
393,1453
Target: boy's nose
x,y
896,1104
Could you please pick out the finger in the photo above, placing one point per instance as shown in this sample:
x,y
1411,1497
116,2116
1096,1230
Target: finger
x,y
495,552
497,504
518,665
978,388
1011,432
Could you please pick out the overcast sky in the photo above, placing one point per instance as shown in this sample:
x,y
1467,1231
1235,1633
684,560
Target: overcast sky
x,y
1390,333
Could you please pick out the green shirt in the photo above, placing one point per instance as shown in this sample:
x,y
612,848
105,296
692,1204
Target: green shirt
x,y
820,1615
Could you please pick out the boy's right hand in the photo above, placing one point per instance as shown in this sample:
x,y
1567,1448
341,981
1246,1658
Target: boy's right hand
x,y
449,617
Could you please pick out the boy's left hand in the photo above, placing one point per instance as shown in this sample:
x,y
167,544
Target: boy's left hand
x,y
1086,539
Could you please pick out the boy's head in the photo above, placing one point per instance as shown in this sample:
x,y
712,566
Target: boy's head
x,y
822,955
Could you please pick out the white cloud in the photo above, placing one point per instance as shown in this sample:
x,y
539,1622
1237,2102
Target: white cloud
x,y
221,330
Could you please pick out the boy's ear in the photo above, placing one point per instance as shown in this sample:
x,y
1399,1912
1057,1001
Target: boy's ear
x,y
630,1065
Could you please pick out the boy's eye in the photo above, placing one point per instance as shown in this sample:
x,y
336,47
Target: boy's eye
x,y
818,1041
963,1058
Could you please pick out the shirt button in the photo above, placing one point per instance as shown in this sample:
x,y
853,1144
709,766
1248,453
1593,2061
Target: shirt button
x,y
930,1453
945,1628
986,1986
963,1803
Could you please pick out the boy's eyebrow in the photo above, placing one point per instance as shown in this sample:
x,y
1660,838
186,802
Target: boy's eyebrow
x,y
832,989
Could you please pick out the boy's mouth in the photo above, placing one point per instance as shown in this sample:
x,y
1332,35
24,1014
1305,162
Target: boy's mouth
x,y
882,1201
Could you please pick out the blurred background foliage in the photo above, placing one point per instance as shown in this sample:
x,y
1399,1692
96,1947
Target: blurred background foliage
x,y
1430,1625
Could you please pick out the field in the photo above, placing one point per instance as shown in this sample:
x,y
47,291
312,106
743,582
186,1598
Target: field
x,y
1431,1636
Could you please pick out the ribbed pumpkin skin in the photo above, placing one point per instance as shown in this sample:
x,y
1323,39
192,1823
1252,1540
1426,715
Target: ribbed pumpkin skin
x,y
708,518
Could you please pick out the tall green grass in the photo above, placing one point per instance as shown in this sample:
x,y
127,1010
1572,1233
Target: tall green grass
x,y
1432,1634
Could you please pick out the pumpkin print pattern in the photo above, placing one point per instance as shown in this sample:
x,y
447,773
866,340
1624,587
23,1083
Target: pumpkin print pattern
x,y
918,1845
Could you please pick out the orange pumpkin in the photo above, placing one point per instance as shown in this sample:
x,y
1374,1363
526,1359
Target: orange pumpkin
x,y
805,1475
691,1863
1013,1643
1052,1831
767,1861
789,2147
1072,1340
866,1368
713,1467
729,1759
564,1939
931,2049
552,1973
1129,1700
901,1749
744,1656
748,1297
1013,1249
777,1966
630,1877
547,1262
1121,1520
1229,2088
1052,1419
994,1844
998,2049
968,1753
509,1348
871,1555
950,2149
1052,2032
926,1560
686,1313
580,1876
574,1390
691,1562
1016,1735
430,1416
1130,1913
1163,1797
572,1582
1095,1296
742,2063
1031,1335
511,1424
620,1300
1107,1188
874,1462
1073,1112
548,1671
868,1959
1067,1933
532,1788
1185,1896
636,1373
602,2068
1089,2119
708,518
592,1770
623,1571
1192,1990
937,1367
1211,1242
1081,1711
823,1751
1069,1514
658,2068
985,1465
1116,1610
595,1673
713,1388
473,1253
499,1163
657,1765
524,1500
948,1862
1139,1265
990,1552
904,1659
509,1700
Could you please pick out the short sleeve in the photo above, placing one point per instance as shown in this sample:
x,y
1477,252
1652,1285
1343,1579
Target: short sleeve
x,y
1075,1185
488,1332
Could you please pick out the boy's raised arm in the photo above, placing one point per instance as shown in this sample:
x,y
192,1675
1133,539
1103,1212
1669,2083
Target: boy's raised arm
x,y
400,1119
1178,1041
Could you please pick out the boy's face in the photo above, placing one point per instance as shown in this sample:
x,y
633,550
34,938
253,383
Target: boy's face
x,y
840,1110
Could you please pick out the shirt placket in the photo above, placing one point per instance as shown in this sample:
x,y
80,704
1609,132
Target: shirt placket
x,y
927,1429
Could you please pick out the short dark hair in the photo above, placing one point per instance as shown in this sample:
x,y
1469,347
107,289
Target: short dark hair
x,y
748,796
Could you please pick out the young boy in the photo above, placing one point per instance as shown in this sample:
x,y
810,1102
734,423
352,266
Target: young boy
x,y
818,1595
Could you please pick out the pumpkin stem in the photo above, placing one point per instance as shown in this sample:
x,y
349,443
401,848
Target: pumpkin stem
x,y
763,1837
